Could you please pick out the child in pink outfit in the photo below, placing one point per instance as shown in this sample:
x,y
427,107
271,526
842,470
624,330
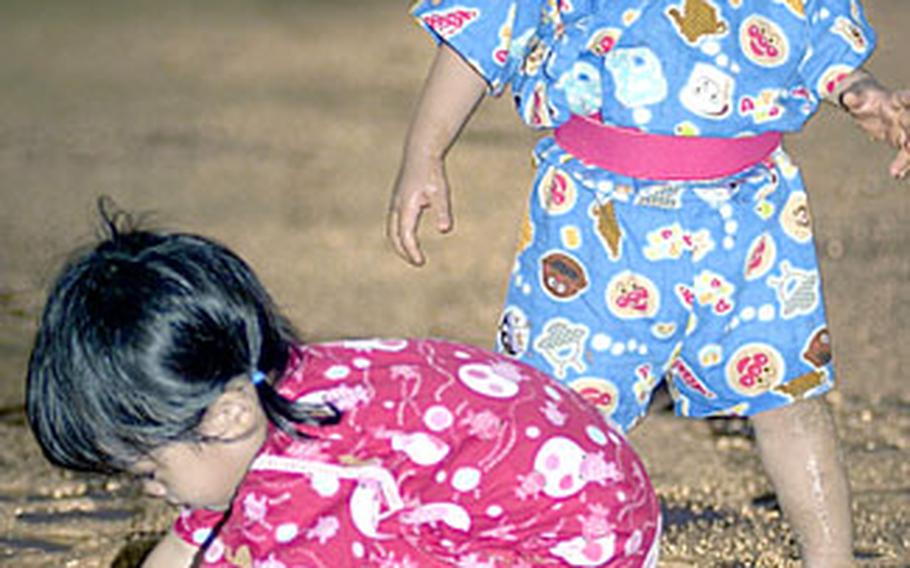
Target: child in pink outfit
x,y
162,355
445,455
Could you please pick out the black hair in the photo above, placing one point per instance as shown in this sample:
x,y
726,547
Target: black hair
x,y
139,335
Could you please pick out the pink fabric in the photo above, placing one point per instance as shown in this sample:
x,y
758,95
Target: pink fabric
x,y
446,455
637,154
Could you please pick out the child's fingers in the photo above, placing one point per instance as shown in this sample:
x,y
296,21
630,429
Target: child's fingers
x,y
392,234
864,102
902,98
900,167
442,207
897,135
408,221
903,110
401,230
852,100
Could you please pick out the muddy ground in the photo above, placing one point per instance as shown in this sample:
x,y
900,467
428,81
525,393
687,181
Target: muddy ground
x,y
275,126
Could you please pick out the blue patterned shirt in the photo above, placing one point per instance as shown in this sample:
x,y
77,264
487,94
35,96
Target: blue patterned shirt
x,y
684,67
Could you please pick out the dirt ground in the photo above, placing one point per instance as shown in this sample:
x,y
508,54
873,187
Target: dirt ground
x,y
275,126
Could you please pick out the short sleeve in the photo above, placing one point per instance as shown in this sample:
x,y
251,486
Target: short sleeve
x,y
840,40
195,526
493,36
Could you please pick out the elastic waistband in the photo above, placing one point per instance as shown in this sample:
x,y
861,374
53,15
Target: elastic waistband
x,y
637,154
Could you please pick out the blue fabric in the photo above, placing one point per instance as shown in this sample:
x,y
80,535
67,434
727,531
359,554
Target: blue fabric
x,y
620,283
685,67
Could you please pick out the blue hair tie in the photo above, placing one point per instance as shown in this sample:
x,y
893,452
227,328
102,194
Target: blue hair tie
x,y
257,377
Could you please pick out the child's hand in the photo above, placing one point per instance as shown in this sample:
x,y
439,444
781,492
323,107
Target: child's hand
x,y
451,92
885,115
421,184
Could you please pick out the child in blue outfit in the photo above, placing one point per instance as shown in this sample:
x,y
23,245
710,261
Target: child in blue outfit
x,y
668,235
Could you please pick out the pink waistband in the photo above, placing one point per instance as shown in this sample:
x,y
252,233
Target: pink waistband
x,y
638,154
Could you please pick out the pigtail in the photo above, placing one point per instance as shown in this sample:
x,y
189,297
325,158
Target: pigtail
x,y
287,414
271,337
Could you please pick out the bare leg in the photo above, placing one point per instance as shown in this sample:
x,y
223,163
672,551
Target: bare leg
x,y
798,447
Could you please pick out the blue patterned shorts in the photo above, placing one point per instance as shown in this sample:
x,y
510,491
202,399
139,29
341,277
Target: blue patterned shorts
x,y
713,286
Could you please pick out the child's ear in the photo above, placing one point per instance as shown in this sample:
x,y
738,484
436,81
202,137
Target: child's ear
x,y
234,414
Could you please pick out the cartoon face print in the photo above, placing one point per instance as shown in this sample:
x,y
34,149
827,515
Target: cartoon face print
x,y
483,379
708,92
632,296
603,41
557,192
514,332
638,77
831,78
602,393
754,369
795,218
562,276
760,257
581,85
763,42
851,33
818,349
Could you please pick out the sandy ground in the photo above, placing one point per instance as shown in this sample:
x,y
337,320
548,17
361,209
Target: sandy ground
x,y
275,126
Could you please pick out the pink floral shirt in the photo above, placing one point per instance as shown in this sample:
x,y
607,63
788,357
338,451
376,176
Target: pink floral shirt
x,y
446,455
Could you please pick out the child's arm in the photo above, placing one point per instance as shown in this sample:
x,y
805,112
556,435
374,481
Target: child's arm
x,y
451,93
171,552
883,113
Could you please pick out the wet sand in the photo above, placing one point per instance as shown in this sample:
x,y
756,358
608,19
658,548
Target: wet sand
x,y
275,127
